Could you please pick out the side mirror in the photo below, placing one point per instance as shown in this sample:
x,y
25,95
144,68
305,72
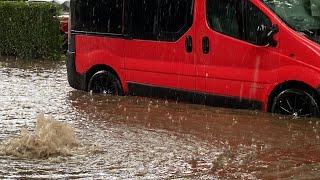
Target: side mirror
x,y
265,35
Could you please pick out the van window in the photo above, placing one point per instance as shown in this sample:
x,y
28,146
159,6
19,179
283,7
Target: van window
x,y
253,18
175,18
172,15
101,16
236,18
164,20
143,14
223,16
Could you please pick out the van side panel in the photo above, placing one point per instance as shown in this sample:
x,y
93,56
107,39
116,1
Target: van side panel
x,y
92,50
234,67
160,63
100,50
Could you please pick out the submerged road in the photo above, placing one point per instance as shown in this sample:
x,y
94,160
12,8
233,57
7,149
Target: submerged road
x,y
140,138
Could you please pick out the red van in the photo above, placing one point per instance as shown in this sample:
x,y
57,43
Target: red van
x,y
252,54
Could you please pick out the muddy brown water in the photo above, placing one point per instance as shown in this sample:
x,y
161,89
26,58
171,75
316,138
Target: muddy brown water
x,y
89,136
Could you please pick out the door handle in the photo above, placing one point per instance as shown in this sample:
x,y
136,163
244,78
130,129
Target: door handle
x,y
188,44
205,45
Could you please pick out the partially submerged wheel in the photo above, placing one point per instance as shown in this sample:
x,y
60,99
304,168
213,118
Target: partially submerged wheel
x,y
295,102
105,82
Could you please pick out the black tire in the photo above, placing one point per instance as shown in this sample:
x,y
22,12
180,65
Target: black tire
x,y
295,102
105,82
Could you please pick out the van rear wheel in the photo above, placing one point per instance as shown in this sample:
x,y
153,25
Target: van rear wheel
x,y
295,102
105,82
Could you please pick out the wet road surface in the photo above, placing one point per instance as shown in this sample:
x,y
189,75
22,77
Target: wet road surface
x,y
142,138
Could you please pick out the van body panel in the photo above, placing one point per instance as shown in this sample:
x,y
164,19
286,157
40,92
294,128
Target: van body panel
x,y
297,49
99,50
161,63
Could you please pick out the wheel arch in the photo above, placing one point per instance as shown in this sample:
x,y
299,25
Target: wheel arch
x,y
291,84
100,67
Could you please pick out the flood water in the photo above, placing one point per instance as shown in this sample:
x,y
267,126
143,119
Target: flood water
x,y
86,136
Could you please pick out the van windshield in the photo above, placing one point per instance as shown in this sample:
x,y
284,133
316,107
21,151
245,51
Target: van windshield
x,y
301,15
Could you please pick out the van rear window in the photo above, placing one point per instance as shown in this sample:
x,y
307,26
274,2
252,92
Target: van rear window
x,y
103,16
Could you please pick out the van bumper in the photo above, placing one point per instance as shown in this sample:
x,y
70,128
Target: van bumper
x,y
75,79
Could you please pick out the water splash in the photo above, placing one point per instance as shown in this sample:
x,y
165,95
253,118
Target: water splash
x,y
50,138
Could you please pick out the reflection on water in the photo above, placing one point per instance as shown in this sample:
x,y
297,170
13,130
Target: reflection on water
x,y
142,138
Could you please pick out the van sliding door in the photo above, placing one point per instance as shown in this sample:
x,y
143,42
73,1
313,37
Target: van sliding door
x,y
155,47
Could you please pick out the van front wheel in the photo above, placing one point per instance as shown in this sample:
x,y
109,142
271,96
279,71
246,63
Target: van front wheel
x,y
295,102
105,82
